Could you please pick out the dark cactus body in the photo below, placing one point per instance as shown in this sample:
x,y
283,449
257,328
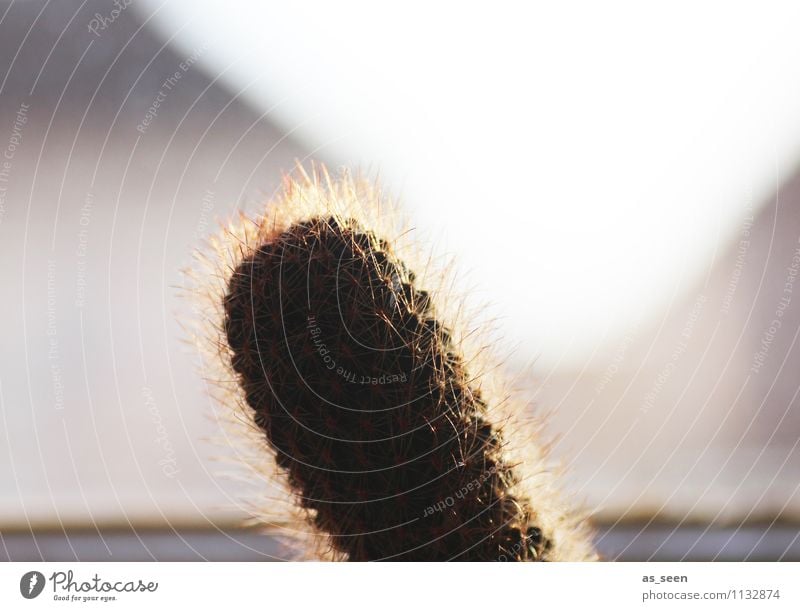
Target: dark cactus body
x,y
368,404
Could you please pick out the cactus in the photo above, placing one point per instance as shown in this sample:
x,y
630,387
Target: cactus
x,y
393,445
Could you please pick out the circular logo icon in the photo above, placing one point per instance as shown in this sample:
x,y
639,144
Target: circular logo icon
x,y
31,584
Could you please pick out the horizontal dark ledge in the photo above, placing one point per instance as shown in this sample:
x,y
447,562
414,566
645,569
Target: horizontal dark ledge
x,y
623,542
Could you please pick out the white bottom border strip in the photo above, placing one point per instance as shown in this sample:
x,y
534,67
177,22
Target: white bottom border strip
x,y
324,586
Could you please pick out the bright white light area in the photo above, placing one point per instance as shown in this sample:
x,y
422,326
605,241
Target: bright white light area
x,y
585,161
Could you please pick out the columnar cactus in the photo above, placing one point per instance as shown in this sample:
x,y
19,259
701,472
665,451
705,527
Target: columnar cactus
x,y
368,397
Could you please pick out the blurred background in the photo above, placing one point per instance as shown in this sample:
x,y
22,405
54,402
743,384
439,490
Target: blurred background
x,y
619,183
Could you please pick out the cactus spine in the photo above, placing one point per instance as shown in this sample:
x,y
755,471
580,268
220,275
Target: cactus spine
x,y
394,447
